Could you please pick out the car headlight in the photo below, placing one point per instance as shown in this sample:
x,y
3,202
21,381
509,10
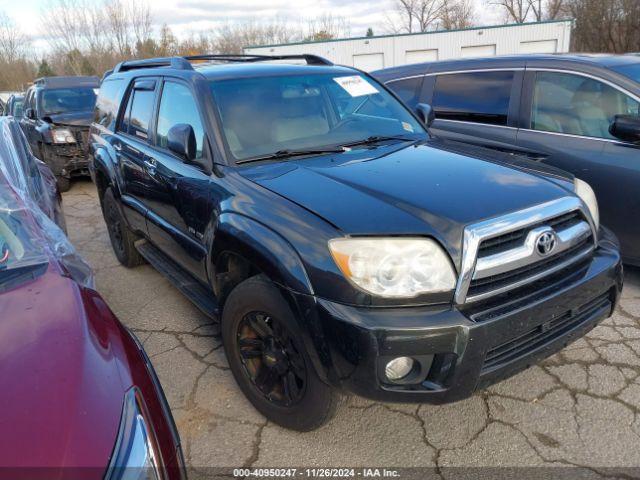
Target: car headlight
x,y
63,135
588,196
394,267
136,454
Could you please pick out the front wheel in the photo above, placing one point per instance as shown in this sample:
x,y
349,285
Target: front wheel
x,y
268,358
64,184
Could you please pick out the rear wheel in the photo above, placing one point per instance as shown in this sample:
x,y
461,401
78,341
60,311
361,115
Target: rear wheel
x,y
122,238
269,360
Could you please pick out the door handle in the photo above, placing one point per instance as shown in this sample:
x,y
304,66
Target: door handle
x,y
151,165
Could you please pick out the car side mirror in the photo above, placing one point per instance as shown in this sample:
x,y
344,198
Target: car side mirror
x,y
626,128
181,140
30,113
426,113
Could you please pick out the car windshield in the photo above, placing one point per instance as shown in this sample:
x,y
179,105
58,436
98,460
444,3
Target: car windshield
x,y
16,107
632,71
67,100
267,115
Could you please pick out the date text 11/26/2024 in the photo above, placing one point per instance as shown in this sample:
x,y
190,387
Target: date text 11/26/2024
x,y
315,472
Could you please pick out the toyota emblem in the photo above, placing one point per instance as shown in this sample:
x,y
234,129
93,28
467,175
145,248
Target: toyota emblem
x,y
546,243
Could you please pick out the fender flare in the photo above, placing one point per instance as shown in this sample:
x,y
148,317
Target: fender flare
x,y
262,247
103,164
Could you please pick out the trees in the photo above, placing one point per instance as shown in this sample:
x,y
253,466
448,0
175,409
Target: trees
x,y
44,70
457,14
605,25
409,16
15,68
92,36
611,26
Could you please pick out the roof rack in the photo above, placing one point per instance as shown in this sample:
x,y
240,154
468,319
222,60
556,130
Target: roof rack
x,y
249,58
183,63
173,62
60,82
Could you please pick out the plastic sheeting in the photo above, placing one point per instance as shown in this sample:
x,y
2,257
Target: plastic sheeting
x,y
32,227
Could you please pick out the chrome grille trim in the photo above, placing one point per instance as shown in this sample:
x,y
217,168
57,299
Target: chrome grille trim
x,y
476,233
555,268
527,254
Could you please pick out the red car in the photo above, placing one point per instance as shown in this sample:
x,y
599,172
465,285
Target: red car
x,y
78,395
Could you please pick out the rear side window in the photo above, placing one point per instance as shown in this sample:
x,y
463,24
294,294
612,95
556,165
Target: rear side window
x,y
408,90
479,97
108,103
139,111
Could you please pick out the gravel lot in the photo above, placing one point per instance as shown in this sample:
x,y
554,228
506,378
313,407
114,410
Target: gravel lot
x,y
579,408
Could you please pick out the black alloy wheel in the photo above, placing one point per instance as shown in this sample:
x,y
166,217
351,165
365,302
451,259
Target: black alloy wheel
x,y
271,360
264,344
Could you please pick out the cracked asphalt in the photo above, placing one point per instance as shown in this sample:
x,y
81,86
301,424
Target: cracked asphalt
x,y
580,407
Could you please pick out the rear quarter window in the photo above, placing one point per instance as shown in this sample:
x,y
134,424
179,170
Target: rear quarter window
x,y
138,114
108,103
479,97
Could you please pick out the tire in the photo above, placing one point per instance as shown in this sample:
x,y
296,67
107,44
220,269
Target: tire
x,y
64,184
260,357
122,238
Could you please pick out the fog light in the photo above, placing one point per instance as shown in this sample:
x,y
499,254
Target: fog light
x,y
399,368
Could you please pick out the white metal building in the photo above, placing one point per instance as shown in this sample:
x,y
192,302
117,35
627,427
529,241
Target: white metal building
x,y
371,53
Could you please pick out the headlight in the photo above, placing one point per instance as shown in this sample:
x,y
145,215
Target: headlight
x,y
136,454
588,196
394,267
63,135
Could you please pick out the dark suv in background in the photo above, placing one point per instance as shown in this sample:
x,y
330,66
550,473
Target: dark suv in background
x,y
56,119
340,245
13,108
580,113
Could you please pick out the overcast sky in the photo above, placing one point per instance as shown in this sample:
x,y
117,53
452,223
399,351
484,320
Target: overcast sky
x,y
185,16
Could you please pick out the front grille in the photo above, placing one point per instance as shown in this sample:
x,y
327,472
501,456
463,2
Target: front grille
x,y
511,240
69,151
539,336
82,137
506,262
496,282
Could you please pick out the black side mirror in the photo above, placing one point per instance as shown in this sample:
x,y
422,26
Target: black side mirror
x,y
626,128
181,140
30,113
426,113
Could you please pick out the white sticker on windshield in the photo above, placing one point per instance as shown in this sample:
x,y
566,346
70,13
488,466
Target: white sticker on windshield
x,y
356,86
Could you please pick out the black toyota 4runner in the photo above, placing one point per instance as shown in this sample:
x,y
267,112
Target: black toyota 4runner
x,y
341,247
57,113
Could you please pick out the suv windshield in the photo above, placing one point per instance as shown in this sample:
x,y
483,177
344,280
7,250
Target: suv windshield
x,y
16,107
65,100
631,71
262,116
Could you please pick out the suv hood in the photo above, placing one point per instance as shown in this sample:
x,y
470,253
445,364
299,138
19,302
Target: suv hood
x,y
72,119
425,189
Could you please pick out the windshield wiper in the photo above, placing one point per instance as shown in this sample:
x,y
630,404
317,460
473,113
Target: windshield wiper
x,y
280,154
380,138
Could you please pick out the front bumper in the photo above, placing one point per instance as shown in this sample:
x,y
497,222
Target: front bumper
x,y
66,160
461,349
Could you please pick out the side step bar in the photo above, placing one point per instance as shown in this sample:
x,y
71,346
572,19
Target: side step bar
x,y
183,281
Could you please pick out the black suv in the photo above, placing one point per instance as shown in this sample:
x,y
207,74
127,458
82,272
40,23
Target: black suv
x,y
341,246
57,113
580,113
